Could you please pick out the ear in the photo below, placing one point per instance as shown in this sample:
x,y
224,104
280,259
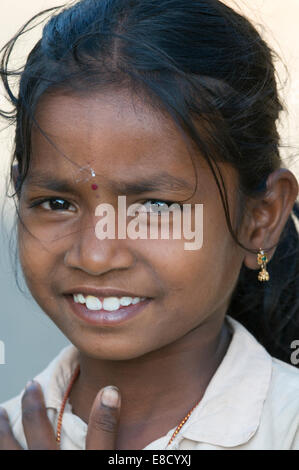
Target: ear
x,y
267,216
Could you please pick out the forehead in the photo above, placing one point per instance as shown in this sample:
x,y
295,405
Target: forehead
x,y
120,140
108,131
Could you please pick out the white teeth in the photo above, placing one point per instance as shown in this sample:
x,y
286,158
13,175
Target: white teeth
x,y
93,303
125,301
111,303
81,298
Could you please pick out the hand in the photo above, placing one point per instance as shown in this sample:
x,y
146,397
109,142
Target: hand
x,y
39,432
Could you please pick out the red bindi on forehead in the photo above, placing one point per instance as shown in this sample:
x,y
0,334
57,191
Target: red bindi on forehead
x,y
94,187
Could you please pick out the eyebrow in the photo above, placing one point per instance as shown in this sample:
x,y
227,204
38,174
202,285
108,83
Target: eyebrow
x,y
160,181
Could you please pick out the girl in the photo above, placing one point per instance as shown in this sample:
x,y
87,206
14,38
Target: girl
x,y
162,102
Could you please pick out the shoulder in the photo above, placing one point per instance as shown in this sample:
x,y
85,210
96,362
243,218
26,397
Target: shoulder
x,y
283,378
284,387
255,354
272,386
280,416
282,372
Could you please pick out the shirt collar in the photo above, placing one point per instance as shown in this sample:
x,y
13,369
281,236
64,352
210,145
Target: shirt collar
x,y
56,377
230,410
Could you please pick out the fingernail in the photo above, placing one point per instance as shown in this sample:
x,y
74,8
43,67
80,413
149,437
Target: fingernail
x,y
110,397
29,384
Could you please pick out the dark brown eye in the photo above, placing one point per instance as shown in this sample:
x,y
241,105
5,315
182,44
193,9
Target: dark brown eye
x,y
56,204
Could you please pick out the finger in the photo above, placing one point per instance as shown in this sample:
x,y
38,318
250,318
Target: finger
x,y
7,439
103,420
38,429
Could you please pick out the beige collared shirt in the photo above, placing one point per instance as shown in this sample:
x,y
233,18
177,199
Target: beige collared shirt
x,y
251,403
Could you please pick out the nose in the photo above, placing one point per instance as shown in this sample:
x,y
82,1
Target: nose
x,y
96,257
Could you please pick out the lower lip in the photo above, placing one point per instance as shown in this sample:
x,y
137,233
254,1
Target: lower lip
x,y
104,318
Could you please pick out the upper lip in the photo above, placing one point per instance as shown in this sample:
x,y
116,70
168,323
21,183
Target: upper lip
x,y
101,292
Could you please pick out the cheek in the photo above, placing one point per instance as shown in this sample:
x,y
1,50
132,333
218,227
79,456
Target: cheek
x,y
39,266
39,255
198,281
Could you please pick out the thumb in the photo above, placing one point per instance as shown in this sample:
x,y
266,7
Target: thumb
x,y
104,419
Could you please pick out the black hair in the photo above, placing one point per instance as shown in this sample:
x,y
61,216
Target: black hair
x,y
193,60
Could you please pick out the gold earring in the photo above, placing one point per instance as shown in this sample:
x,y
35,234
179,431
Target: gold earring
x,y
262,261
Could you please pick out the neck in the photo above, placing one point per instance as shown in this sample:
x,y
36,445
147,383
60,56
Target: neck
x,y
154,384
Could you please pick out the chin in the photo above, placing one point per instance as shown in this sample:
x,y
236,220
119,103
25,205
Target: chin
x,y
100,347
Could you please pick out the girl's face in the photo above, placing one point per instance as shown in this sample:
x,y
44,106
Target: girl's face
x,y
121,142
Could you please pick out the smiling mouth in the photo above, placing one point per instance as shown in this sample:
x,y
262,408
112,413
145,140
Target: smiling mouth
x,y
109,312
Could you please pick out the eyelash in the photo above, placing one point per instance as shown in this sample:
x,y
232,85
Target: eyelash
x,y
169,203
42,201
